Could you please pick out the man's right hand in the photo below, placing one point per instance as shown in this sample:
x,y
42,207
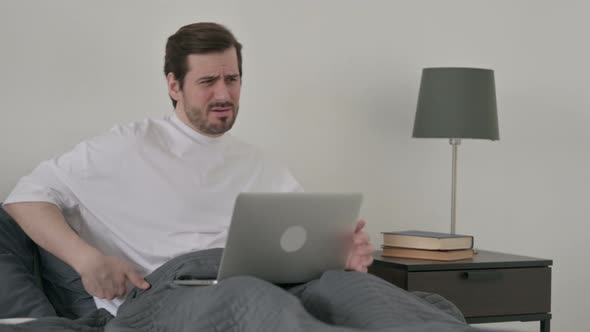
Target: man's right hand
x,y
106,277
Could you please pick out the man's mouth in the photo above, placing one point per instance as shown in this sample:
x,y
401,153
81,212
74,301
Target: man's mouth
x,y
221,111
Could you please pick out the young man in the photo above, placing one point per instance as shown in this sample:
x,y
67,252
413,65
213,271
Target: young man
x,y
120,205
156,196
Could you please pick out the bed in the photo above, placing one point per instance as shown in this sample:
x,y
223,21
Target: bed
x,y
55,299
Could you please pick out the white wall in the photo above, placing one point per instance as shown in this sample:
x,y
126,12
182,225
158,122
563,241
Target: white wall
x,y
330,87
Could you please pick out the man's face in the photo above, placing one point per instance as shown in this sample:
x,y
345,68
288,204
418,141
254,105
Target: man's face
x,y
210,96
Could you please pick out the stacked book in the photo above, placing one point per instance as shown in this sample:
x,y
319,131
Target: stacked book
x,y
427,245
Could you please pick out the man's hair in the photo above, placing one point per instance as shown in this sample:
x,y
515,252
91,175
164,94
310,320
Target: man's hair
x,y
197,38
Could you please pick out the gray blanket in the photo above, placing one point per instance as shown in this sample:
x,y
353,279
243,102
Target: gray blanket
x,y
338,301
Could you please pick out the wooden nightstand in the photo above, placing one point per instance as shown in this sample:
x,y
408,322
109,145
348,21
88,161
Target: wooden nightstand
x,y
490,287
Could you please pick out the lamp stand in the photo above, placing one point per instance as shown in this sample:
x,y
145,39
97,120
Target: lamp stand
x,y
455,144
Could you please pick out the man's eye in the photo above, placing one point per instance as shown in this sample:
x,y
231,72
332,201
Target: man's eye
x,y
207,82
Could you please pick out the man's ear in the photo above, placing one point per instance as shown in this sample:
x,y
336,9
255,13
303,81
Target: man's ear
x,y
173,86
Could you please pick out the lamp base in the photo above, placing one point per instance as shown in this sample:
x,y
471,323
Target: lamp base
x,y
455,144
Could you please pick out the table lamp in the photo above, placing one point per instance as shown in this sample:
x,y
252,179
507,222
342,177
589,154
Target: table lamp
x,y
456,103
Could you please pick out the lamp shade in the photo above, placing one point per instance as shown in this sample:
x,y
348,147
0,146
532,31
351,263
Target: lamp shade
x,y
457,103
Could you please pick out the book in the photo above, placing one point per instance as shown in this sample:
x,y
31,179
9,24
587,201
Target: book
x,y
427,240
437,255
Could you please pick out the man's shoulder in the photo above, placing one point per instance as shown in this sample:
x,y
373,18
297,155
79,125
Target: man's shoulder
x,y
140,128
131,132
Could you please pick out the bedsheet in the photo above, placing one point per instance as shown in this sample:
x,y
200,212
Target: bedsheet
x,y
250,304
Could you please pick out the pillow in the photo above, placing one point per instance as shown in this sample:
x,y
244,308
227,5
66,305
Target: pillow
x,y
34,282
22,294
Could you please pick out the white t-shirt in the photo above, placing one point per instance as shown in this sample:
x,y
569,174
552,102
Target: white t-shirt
x,y
152,190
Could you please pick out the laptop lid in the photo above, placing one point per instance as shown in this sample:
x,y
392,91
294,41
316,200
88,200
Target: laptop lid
x,y
289,237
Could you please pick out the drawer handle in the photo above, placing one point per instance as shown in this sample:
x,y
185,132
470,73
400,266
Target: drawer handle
x,y
482,275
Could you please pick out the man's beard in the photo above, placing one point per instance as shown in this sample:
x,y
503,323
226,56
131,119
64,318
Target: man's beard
x,y
199,119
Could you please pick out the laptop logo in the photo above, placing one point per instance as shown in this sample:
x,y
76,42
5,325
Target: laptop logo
x,y
293,238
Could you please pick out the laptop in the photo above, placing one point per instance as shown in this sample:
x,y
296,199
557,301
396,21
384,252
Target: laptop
x,y
286,238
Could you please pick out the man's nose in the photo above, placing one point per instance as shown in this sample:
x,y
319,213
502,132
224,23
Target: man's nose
x,y
221,91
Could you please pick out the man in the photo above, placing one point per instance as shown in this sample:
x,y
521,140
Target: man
x,y
135,201
118,206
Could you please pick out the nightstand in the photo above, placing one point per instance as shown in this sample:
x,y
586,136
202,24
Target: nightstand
x,y
490,287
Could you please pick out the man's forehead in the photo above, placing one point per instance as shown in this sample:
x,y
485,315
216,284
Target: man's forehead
x,y
216,63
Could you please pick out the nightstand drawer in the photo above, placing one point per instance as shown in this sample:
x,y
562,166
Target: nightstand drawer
x,y
489,292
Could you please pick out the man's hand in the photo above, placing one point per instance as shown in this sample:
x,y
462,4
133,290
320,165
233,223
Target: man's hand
x,y
360,256
106,277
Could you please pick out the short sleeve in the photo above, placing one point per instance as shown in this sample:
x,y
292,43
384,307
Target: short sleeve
x,y
46,182
54,179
